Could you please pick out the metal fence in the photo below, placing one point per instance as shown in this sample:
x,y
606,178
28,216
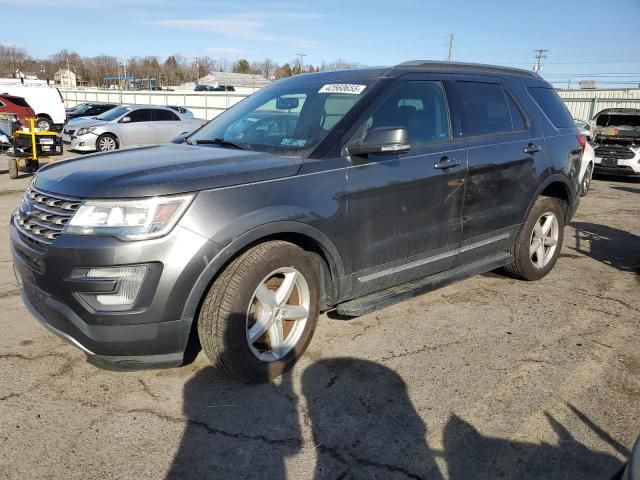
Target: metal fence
x,y
583,104
204,105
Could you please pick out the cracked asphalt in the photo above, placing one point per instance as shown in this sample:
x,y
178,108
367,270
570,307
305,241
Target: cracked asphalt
x,y
489,377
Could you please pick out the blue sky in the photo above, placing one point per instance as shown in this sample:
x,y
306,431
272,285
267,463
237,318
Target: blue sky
x,y
373,32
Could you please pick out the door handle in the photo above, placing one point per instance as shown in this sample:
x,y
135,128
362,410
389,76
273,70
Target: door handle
x,y
532,148
446,162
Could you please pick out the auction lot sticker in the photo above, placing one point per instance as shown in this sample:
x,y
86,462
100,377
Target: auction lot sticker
x,y
348,88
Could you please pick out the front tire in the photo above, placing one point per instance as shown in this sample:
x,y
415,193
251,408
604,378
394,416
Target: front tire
x,y
261,312
106,143
539,242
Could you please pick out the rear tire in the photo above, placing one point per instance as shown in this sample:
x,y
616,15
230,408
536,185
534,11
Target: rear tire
x,y
261,312
586,180
538,244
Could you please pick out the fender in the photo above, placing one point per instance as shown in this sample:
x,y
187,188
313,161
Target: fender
x,y
555,178
241,242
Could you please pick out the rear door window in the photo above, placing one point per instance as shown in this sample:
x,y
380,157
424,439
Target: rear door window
x,y
554,108
164,116
484,108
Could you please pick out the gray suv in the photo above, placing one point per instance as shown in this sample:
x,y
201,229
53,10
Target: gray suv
x,y
346,190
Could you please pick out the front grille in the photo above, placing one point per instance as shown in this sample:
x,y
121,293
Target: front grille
x,y
69,132
42,216
613,151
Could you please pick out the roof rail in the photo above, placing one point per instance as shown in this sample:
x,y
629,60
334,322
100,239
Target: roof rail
x,y
460,66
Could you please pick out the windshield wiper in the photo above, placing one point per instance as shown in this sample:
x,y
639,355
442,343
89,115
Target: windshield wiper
x,y
220,142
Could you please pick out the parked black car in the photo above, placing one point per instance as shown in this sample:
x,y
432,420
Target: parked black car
x,y
89,110
381,184
212,88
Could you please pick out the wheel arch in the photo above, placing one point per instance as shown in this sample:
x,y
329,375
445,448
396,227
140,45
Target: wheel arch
x,y
110,134
309,238
556,186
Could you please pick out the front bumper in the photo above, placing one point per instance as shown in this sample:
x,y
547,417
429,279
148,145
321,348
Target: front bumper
x,y
153,334
85,143
625,167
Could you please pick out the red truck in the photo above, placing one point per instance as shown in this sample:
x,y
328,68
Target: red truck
x,y
17,105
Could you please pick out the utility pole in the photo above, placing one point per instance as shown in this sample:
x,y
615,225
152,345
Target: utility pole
x,y
197,69
124,70
450,56
301,55
540,55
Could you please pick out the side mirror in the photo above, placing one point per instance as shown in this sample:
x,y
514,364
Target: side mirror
x,y
180,138
382,141
125,120
287,103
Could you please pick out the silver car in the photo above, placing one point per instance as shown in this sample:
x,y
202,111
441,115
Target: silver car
x,y
127,125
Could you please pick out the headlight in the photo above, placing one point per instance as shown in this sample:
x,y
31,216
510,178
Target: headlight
x,y
128,219
85,130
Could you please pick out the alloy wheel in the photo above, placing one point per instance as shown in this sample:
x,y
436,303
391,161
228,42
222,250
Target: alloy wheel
x,y
277,314
544,240
106,144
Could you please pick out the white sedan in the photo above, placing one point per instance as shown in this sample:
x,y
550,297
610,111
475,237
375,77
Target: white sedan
x,y
586,168
127,126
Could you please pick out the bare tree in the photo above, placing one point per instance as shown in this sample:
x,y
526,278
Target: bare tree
x,y
12,58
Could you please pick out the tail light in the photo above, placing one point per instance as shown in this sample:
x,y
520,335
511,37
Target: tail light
x,y
582,140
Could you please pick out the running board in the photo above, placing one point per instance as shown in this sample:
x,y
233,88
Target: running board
x,y
384,298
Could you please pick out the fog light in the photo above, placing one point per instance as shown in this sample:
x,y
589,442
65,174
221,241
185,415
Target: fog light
x,y
128,283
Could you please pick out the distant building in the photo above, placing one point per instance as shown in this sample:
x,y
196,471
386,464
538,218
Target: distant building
x,y
588,85
234,79
65,78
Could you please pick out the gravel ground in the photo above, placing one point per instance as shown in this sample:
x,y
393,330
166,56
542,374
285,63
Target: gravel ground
x,y
490,377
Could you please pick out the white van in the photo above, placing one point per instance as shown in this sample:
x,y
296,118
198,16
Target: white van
x,y
46,101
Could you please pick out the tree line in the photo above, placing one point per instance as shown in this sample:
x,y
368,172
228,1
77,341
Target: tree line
x,y
172,70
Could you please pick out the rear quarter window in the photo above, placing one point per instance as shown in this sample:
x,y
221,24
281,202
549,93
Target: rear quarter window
x,y
553,107
21,102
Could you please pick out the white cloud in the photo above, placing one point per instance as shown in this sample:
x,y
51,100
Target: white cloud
x,y
227,51
242,27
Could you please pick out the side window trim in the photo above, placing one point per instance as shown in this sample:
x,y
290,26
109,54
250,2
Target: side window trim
x,y
523,114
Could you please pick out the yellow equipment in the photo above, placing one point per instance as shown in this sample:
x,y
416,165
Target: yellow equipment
x,y
32,145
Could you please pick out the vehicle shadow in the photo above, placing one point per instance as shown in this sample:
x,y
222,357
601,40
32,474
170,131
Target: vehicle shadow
x,y
611,246
236,430
615,178
363,426
471,455
626,189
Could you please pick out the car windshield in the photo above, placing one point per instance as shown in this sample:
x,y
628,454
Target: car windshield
x,y
82,108
113,114
289,118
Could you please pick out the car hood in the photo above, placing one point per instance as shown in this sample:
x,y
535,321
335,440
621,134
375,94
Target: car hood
x,y
161,170
80,122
